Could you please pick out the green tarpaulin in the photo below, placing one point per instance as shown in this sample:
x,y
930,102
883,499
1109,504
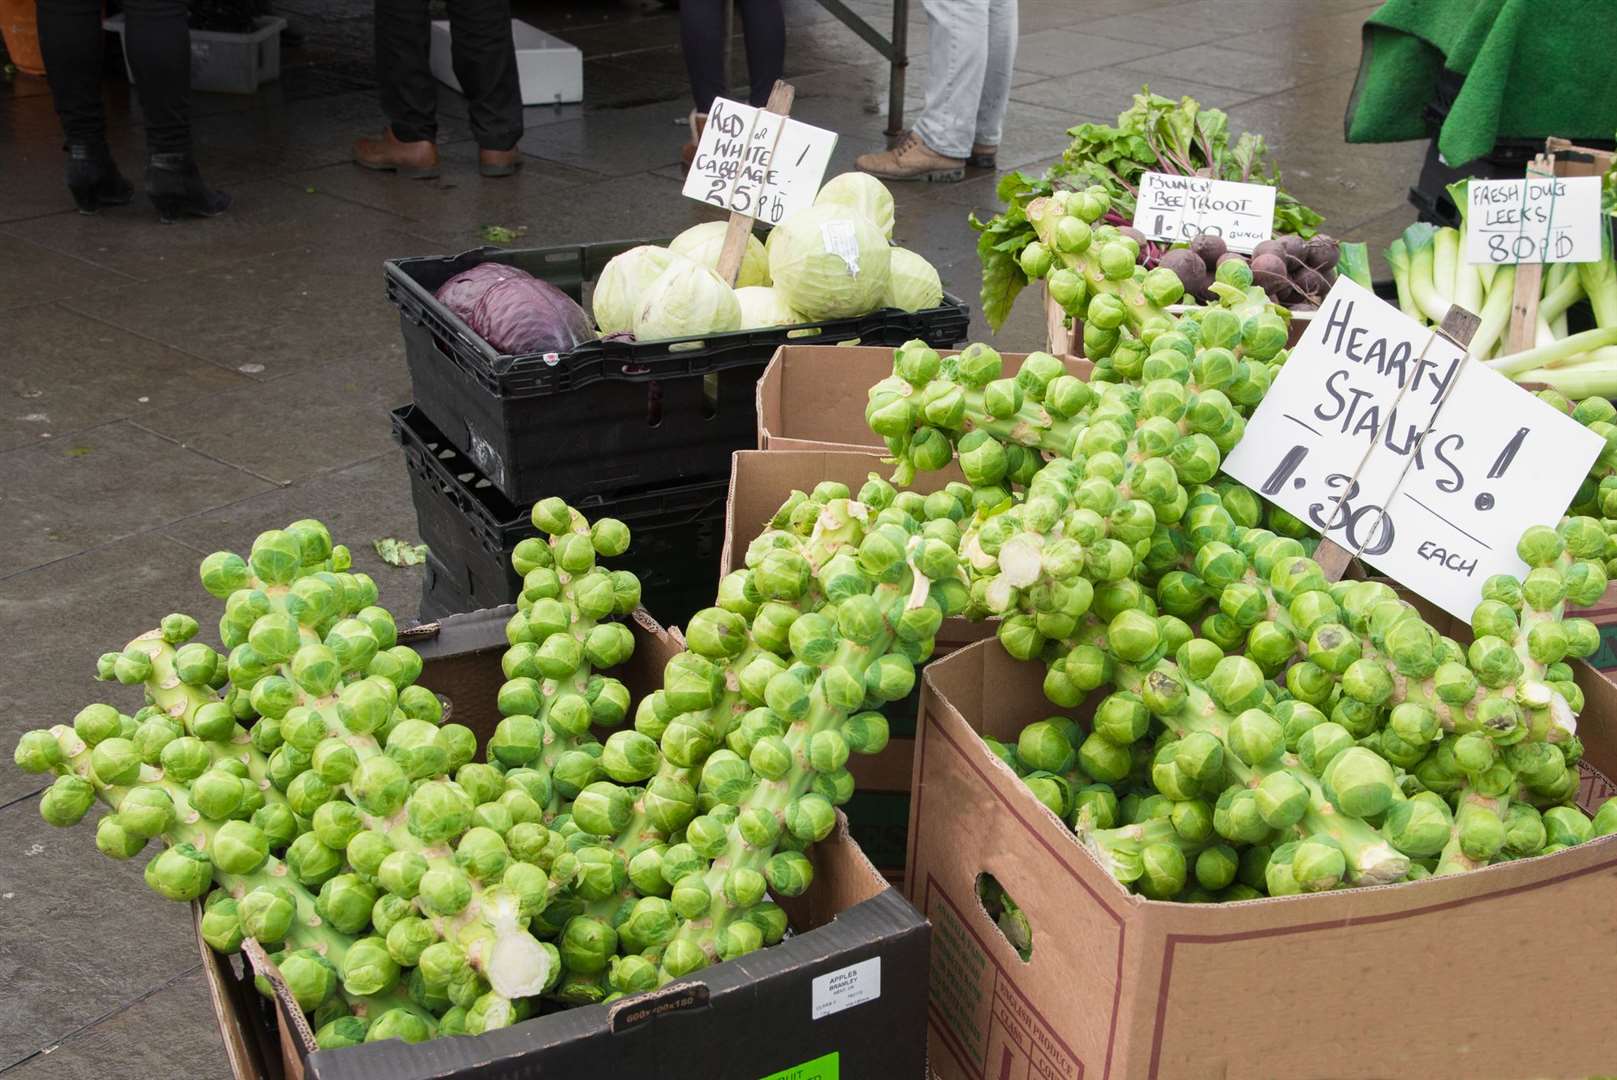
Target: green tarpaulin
x,y
1531,69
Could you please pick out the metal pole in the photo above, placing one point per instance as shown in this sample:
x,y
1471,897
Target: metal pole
x,y
900,64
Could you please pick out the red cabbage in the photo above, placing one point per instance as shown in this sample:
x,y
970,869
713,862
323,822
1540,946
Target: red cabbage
x,y
521,315
462,292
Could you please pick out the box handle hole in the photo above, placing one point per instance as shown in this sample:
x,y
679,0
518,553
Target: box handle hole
x,y
710,395
654,404
1008,918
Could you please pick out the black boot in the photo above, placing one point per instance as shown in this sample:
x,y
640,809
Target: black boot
x,y
94,179
175,187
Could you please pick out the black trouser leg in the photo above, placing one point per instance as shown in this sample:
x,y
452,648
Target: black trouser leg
x,y
408,94
701,37
157,36
70,39
485,62
764,24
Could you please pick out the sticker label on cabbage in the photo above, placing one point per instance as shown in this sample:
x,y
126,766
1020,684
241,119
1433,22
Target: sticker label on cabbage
x,y
758,163
1178,209
846,987
842,241
1379,434
1539,219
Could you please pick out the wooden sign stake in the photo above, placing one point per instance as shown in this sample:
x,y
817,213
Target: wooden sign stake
x,y
1458,326
735,238
1529,283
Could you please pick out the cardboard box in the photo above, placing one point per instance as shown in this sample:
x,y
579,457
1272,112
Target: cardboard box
x,y
1504,972
840,997
879,812
549,71
812,397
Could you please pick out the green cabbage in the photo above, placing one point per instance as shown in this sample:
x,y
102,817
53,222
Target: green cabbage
x,y
830,263
686,300
622,283
862,193
762,306
912,283
703,243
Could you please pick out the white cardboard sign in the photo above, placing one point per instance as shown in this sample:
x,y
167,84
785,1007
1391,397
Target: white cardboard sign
x,y
1338,442
758,163
1180,208
1539,219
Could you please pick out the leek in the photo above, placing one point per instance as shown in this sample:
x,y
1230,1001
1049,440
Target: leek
x,y
1555,352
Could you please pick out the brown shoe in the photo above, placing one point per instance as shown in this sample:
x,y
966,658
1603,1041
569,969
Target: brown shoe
x,y
416,160
687,153
912,159
498,162
982,156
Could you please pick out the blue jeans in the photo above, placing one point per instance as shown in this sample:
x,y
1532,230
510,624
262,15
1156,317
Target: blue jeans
x,y
972,45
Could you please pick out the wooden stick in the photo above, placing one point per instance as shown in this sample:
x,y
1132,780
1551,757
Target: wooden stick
x,y
1459,326
1529,284
735,238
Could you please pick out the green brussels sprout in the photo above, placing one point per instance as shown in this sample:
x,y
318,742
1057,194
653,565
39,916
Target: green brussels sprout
x,y
312,862
266,913
400,1023
379,786
181,872
368,968
149,811
239,847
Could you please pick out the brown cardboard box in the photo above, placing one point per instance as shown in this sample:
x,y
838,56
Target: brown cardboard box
x,y
879,811
812,397
772,1016
1505,972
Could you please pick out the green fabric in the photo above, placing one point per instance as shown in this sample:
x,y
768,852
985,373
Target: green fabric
x,y
1532,68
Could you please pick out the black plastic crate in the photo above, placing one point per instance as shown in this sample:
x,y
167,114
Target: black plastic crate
x,y
609,415
470,529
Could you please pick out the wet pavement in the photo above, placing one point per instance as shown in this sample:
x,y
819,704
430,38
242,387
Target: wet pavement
x,y
169,390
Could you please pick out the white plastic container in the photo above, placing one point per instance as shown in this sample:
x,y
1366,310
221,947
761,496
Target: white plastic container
x,y
551,71
225,63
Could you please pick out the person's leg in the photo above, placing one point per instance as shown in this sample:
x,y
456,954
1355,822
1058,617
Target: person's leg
x,y
70,38
957,62
701,37
157,38
485,62
406,91
764,24
405,86
996,94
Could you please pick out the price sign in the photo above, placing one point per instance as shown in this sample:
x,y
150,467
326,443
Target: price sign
x,y
758,163
1177,209
1539,219
1379,433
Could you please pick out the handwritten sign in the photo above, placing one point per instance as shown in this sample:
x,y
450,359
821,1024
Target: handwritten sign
x,y
1180,208
758,163
1378,433
1539,219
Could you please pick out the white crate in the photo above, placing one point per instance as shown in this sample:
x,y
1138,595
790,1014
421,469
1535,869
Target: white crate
x,y
551,71
224,63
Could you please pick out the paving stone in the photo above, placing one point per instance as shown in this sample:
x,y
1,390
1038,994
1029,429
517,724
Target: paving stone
x,y
346,404
1062,52
1241,71
99,484
51,275
1108,91
360,505
63,961
264,217
292,310
129,586
611,143
456,206
56,378
1346,184
169,1032
1155,29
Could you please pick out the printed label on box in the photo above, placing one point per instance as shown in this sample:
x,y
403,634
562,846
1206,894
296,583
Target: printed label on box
x,y
843,989
828,1067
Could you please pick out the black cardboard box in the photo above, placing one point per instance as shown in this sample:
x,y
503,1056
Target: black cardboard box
x,y
844,997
